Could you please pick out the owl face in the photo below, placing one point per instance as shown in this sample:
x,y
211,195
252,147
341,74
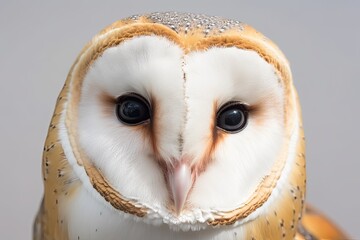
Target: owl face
x,y
182,133
189,126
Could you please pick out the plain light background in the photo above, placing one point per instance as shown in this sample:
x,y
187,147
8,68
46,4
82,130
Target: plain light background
x,y
40,40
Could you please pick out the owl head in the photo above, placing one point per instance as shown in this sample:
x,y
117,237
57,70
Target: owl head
x,y
187,120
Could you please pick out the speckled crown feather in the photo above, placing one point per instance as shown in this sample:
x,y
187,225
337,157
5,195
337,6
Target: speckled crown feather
x,y
186,22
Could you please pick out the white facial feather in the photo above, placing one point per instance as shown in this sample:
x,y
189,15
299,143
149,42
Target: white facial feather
x,y
154,68
109,225
151,67
218,76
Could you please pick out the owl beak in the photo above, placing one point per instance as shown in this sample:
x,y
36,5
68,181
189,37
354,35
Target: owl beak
x,y
180,180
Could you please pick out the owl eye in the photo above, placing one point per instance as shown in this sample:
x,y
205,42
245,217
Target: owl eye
x,y
232,117
132,109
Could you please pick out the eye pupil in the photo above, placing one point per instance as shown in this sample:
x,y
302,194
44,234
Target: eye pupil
x,y
232,117
132,109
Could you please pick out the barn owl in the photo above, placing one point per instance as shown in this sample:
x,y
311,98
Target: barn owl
x,y
177,126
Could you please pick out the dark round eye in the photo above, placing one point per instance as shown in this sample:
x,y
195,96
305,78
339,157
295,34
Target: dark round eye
x,y
232,117
132,109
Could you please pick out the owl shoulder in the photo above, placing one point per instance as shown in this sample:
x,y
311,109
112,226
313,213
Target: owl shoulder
x,y
314,225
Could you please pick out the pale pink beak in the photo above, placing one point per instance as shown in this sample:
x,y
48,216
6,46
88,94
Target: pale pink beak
x,y
181,181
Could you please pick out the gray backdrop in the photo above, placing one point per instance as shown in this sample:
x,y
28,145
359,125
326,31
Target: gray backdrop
x,y
40,40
